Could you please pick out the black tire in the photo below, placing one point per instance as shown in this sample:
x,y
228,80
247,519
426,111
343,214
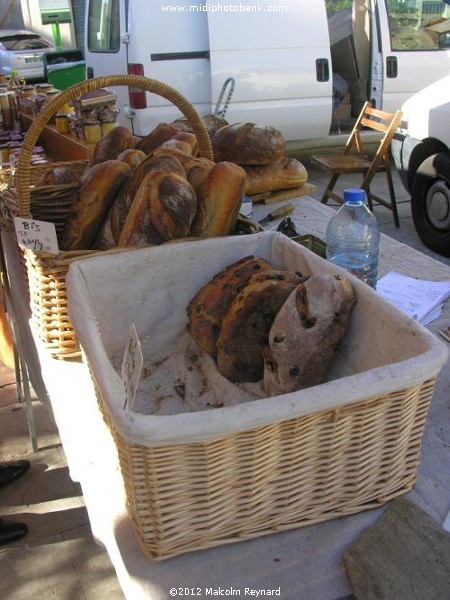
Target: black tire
x,y
430,203
409,153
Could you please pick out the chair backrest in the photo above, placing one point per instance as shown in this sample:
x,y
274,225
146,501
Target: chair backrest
x,y
378,120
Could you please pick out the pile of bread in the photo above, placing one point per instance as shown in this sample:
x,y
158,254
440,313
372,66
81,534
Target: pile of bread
x,y
260,323
147,191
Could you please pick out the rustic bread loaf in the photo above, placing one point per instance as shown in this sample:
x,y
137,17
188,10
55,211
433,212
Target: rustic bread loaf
x,y
173,204
306,332
248,144
160,134
245,328
58,176
185,158
281,174
219,200
99,186
208,307
190,139
137,229
212,123
112,144
162,210
179,145
197,173
133,157
121,206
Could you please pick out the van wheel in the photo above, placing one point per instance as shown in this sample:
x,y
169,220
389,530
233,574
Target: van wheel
x,y
430,203
409,153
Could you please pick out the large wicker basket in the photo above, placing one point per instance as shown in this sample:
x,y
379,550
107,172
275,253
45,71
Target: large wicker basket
x,y
200,479
46,273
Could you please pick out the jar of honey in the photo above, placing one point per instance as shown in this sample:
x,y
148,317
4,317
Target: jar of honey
x,y
62,123
93,132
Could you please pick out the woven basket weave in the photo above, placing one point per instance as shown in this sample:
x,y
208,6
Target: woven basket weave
x,y
300,472
46,273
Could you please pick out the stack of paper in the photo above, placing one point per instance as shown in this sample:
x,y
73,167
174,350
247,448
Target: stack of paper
x,y
419,298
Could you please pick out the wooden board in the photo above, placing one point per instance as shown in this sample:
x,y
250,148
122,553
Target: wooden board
x,y
278,196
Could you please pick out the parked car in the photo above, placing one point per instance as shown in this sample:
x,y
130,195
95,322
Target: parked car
x,y
22,51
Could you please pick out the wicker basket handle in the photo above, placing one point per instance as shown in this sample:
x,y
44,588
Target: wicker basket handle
x,y
77,90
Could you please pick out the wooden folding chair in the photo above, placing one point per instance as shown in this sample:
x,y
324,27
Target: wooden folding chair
x,y
353,159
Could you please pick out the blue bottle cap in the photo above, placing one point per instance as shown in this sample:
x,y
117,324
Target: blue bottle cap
x,y
354,195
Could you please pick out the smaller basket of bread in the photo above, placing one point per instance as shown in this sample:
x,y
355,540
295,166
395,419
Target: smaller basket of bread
x,y
276,390
133,192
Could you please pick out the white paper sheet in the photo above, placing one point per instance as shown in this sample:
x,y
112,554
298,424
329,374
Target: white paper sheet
x,y
418,298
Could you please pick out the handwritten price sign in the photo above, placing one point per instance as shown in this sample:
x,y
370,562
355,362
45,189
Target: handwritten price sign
x,y
131,367
39,236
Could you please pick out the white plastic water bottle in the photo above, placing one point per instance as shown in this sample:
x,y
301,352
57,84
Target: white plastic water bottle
x,y
353,238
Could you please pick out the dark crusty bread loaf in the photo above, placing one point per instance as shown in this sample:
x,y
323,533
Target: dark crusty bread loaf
x,y
306,332
219,200
245,328
99,187
208,307
162,210
282,174
248,144
121,206
173,204
160,134
112,144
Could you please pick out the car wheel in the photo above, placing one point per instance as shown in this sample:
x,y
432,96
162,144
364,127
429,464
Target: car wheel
x,y
408,154
430,203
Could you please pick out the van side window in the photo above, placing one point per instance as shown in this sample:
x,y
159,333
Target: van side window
x,y
103,27
417,25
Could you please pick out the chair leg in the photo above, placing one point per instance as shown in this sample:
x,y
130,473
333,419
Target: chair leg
x,y
369,197
392,195
329,189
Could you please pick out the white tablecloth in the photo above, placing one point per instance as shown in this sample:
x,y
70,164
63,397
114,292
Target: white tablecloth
x,y
304,564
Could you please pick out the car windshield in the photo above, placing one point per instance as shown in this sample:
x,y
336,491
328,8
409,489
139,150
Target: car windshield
x,y
24,42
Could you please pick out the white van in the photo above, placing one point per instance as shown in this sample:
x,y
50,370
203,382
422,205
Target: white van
x,y
297,65
422,158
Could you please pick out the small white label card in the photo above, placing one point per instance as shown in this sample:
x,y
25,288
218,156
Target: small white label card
x,y
39,236
131,367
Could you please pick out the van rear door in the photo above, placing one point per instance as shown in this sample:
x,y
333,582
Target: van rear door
x,y
411,51
105,52
278,54
171,41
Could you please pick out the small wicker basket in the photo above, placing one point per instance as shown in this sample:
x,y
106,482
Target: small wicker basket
x,y
46,273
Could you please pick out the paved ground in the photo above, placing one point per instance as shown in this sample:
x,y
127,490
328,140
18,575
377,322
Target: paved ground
x,y
58,558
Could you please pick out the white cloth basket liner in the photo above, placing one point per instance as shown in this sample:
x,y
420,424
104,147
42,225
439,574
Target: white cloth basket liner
x,y
383,351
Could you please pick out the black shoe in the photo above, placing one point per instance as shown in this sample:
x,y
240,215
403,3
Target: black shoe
x,y
11,471
11,532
